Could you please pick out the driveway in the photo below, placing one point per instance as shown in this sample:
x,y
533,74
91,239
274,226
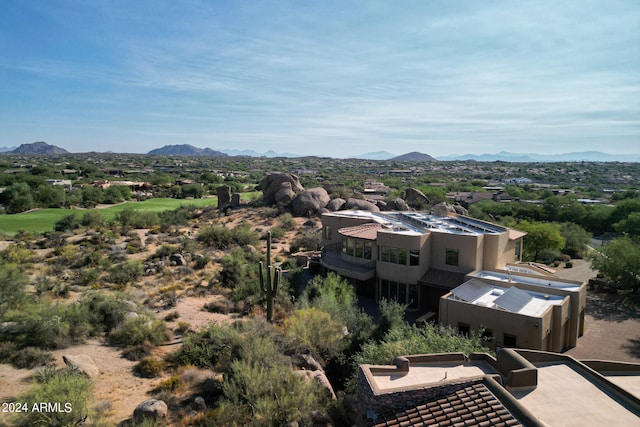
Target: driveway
x,y
612,322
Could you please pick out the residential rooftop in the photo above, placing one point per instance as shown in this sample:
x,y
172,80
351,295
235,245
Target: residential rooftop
x,y
421,223
543,281
511,299
531,388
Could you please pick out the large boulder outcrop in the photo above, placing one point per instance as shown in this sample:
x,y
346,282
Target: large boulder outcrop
x,y
83,363
416,198
360,204
309,202
285,194
273,182
336,204
398,205
153,409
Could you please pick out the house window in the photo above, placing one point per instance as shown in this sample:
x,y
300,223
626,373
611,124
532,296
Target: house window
x,y
368,249
327,232
464,329
393,255
402,292
357,248
510,340
384,254
414,257
451,257
518,250
486,335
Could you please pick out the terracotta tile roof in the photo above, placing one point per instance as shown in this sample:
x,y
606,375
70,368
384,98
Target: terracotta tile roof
x,y
368,231
471,406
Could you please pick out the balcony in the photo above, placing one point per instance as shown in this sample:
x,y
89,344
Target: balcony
x,y
332,260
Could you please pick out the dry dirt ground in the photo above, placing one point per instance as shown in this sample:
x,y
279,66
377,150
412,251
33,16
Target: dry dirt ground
x,y
117,391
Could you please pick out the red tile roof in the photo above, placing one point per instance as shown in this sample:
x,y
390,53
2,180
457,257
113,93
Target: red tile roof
x,y
368,231
471,406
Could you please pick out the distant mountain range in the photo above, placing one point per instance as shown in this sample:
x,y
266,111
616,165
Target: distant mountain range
x,y
35,148
586,156
185,150
42,148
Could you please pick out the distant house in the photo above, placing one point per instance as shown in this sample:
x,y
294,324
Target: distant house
x,y
64,183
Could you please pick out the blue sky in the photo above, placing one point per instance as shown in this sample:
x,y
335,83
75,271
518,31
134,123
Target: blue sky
x,y
332,78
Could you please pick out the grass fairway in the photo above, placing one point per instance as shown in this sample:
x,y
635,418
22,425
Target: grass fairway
x,y
44,219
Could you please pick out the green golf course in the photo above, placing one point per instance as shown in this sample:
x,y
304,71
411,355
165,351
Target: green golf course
x,y
41,220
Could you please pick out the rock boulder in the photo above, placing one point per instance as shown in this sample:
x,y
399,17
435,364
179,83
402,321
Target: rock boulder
x,y
309,202
361,205
416,198
272,183
83,363
150,409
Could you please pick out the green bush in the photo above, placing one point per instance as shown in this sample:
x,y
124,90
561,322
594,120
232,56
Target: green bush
x,y
67,223
310,241
106,311
24,358
126,272
138,330
287,222
314,329
258,395
211,347
149,367
69,387
215,237
12,287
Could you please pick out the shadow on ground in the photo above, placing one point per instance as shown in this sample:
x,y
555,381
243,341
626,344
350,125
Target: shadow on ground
x,y
633,347
612,307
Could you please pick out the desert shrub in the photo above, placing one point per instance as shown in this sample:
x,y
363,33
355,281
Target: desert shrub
x,y
214,346
314,329
12,287
18,254
86,276
106,310
215,237
568,264
67,386
287,222
249,396
337,297
92,219
242,235
48,326
201,261
170,384
277,233
137,330
67,223
68,254
138,352
310,241
149,367
405,339
24,358
126,272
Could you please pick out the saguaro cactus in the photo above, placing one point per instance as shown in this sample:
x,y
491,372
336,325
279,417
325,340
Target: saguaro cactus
x,y
269,285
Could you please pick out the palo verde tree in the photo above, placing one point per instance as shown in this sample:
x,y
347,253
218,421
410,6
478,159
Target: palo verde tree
x,y
540,236
269,285
619,261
